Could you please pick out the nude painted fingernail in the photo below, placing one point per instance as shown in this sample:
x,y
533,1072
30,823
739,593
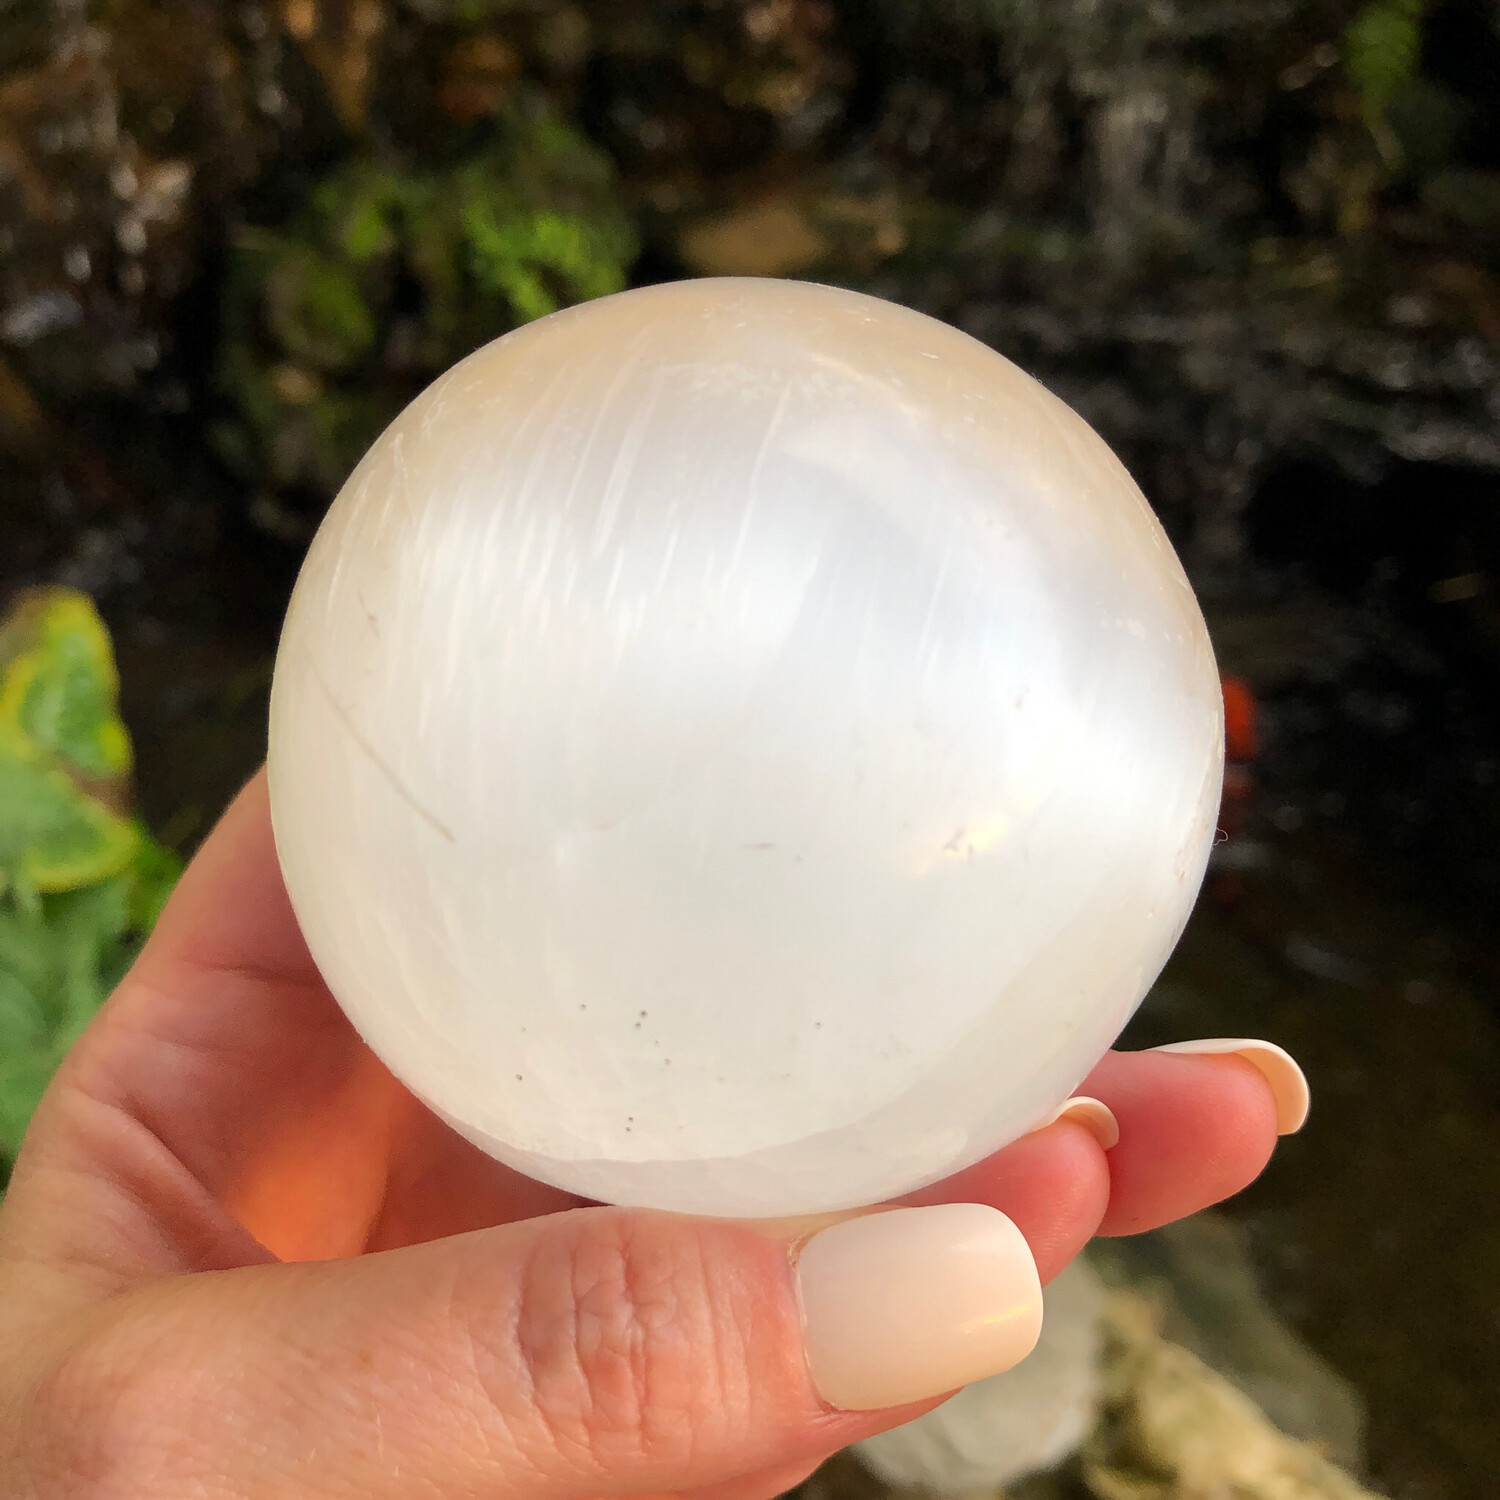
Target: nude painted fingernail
x,y
1093,1114
908,1304
1288,1081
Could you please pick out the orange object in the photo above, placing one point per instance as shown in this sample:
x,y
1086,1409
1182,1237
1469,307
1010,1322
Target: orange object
x,y
1241,743
1241,720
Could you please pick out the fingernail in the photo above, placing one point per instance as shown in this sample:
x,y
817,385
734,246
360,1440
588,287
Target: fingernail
x,y
907,1304
1288,1081
1093,1114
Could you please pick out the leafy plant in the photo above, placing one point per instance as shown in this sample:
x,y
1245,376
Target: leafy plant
x,y
392,271
81,880
1382,52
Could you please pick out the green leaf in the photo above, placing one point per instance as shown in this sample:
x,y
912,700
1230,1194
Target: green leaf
x,y
316,310
57,964
60,686
63,749
53,836
156,871
1382,49
80,883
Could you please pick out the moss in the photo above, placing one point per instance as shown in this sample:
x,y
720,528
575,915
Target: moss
x,y
1382,51
390,273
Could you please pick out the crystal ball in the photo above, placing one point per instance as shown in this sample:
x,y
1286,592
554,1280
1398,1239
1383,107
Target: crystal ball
x,y
742,747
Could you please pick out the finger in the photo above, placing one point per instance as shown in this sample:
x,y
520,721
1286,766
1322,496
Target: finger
x,y
1193,1131
599,1352
230,911
440,1184
222,1024
1054,1185
366,1166
765,1484
224,1109
317,1148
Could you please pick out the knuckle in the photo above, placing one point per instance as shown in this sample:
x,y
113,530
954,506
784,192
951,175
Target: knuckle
x,y
102,1423
634,1341
75,1443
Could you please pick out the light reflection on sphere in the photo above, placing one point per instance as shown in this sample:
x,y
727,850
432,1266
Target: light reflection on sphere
x,y
742,747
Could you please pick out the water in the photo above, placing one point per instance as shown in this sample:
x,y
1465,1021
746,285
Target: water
x,y
1377,1228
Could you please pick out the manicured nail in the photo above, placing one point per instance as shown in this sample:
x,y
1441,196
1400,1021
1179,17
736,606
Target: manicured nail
x,y
1288,1081
1094,1115
907,1304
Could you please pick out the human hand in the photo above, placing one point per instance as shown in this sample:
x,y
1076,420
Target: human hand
x,y
239,1260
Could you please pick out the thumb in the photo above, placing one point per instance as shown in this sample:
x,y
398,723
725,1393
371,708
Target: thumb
x,y
599,1352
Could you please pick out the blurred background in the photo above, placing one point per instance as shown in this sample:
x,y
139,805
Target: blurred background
x,y
1256,243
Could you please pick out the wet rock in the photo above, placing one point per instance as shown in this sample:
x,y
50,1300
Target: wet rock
x,y
340,39
478,76
771,237
1193,221
115,136
819,224
690,92
1199,1277
1174,1429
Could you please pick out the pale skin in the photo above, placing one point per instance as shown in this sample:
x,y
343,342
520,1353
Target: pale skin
x,y
238,1260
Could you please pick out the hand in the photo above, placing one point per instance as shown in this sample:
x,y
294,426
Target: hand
x,y
239,1260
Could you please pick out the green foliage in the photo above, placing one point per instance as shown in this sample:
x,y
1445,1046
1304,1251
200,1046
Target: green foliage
x,y
315,309
515,256
538,253
81,881
53,837
60,686
391,273
1382,51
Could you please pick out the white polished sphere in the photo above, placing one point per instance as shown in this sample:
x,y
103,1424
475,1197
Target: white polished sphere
x,y
742,747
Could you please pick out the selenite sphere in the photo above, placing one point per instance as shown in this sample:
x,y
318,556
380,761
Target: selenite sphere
x,y
742,747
